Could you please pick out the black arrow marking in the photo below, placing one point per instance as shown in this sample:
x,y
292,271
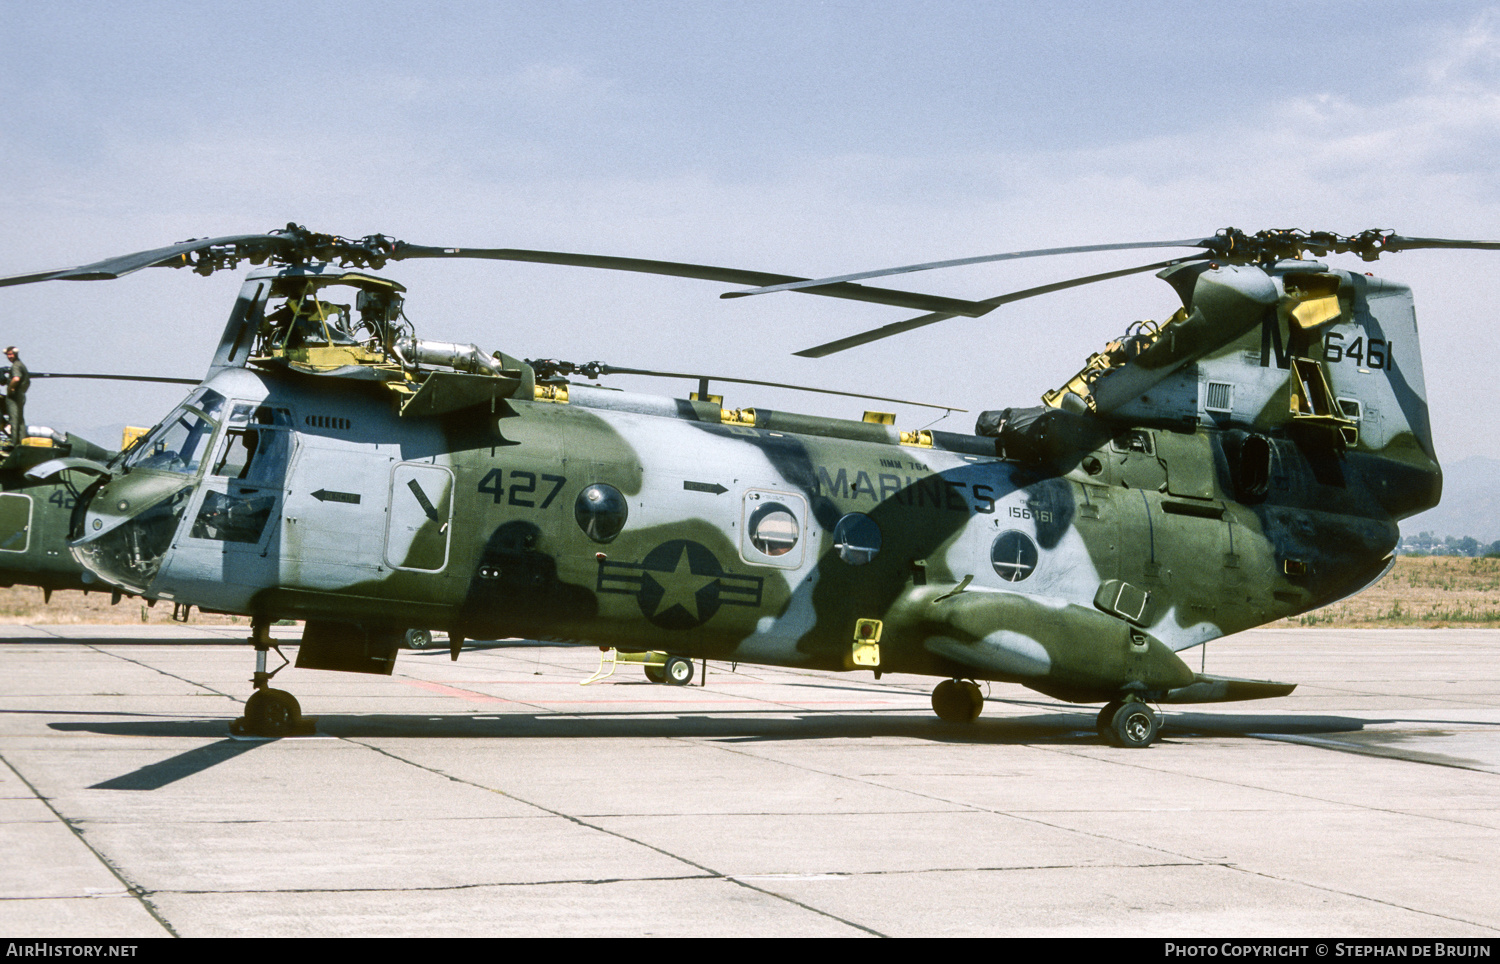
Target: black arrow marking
x,y
713,487
427,506
324,495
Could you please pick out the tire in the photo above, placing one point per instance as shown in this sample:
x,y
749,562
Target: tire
x,y
975,695
1101,724
272,713
418,638
1134,726
957,701
678,671
656,674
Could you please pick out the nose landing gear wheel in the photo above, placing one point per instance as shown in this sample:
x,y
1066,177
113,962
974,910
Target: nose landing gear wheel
x,y
957,701
269,713
678,671
1133,725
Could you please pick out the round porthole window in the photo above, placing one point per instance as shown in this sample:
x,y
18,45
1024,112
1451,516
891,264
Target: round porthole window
x,y
856,538
1014,555
773,529
600,511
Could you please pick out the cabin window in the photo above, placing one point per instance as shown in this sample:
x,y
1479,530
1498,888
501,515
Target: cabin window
x,y
1013,555
600,511
774,528
856,538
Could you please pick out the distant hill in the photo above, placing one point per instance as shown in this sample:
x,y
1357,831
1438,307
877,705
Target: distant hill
x,y
1471,502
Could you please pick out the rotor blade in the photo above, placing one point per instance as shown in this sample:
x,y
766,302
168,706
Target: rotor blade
x,y
702,272
111,268
612,370
886,331
121,378
1397,243
929,266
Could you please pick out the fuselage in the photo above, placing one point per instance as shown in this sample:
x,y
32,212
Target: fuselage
x,y
644,522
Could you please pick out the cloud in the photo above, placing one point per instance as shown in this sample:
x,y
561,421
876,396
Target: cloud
x,y
559,152
1466,55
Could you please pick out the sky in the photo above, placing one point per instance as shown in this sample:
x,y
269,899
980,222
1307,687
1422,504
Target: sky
x,y
801,138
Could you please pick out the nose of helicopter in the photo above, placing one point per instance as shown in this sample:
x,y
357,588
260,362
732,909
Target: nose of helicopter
x,y
128,526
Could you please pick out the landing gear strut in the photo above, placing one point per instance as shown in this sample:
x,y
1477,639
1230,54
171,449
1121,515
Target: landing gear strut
x,y
957,701
268,712
1128,723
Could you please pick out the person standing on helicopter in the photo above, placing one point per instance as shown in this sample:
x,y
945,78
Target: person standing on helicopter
x,y
18,379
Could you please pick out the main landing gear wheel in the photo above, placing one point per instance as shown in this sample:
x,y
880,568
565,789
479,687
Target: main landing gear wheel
x,y
269,713
957,701
1101,723
678,671
1133,725
656,674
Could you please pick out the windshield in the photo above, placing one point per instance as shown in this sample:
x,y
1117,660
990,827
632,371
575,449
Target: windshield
x,y
179,443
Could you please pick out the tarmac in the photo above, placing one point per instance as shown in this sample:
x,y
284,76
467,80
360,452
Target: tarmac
x,y
495,796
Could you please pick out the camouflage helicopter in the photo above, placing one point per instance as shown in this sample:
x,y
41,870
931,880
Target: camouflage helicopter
x,y
1245,459
36,513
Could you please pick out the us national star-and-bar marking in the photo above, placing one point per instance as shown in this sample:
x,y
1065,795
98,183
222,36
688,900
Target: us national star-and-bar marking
x,y
679,585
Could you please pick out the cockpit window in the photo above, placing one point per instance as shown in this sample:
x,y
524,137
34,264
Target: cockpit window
x,y
210,401
245,413
177,444
254,451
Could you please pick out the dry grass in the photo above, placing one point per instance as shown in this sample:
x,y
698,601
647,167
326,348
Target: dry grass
x,y
1431,592
24,604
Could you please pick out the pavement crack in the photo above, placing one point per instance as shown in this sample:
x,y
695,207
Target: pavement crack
x,y
1244,785
1364,897
439,888
707,871
158,669
131,888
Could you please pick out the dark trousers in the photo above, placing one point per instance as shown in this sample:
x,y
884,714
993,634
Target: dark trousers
x,y
15,413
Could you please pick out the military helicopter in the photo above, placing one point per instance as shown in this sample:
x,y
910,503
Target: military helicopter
x,y
36,514
1245,459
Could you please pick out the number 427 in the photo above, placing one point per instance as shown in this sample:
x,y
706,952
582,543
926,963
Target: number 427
x,y
522,487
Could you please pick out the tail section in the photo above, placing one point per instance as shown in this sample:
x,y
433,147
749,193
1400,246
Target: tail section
x,y
1328,358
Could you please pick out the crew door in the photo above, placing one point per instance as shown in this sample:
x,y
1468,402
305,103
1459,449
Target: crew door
x,y
236,512
419,527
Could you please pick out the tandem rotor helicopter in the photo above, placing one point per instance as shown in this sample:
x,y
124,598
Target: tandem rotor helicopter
x,y
1243,460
